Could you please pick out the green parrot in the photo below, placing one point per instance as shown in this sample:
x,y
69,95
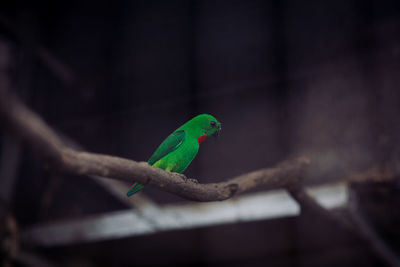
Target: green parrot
x,y
178,150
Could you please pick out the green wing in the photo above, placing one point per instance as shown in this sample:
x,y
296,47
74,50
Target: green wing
x,y
172,142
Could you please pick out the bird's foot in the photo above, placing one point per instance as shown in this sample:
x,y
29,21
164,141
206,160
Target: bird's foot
x,y
193,180
188,179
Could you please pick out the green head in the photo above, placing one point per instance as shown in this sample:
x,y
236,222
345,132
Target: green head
x,y
203,124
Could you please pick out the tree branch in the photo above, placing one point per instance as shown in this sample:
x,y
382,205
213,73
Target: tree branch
x,y
369,235
309,204
44,140
356,223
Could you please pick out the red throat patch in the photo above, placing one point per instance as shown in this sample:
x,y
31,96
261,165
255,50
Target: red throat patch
x,y
201,139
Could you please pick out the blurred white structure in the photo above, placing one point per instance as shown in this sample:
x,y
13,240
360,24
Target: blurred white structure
x,y
151,219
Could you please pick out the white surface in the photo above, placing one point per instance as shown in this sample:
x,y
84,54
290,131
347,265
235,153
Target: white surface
x,y
259,206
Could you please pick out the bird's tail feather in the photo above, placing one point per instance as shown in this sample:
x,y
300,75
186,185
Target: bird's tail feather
x,y
134,189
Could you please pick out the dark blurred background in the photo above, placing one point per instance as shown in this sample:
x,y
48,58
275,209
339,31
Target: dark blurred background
x,y
285,78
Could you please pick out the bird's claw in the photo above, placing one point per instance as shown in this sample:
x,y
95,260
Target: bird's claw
x,y
193,180
189,179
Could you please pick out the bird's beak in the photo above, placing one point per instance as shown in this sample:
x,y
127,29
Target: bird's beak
x,y
216,134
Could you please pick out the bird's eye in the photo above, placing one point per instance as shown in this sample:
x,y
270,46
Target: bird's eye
x,y
212,123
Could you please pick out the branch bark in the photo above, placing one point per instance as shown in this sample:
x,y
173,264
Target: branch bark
x,y
368,233
356,223
44,140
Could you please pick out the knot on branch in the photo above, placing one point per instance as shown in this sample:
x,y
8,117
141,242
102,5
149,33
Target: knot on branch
x,y
233,188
